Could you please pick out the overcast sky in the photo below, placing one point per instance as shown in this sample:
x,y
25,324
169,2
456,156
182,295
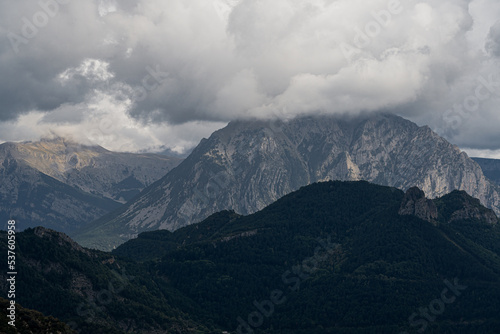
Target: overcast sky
x,y
139,74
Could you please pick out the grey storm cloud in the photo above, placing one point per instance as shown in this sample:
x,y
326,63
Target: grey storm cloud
x,y
493,42
175,62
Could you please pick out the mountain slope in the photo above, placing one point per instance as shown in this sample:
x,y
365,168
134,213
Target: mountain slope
x,y
337,257
490,167
93,169
93,292
332,257
33,198
62,185
249,164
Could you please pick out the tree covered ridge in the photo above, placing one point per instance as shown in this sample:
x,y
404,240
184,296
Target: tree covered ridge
x,y
332,257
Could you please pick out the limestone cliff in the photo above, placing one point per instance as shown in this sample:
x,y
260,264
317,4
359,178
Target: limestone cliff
x,y
250,164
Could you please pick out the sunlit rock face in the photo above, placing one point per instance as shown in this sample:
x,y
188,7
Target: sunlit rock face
x,y
249,164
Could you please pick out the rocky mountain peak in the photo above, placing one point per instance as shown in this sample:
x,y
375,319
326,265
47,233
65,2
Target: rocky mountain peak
x,y
415,203
250,164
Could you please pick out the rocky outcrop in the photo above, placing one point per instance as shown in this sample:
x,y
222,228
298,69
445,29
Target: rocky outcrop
x,y
474,214
414,203
250,164
469,209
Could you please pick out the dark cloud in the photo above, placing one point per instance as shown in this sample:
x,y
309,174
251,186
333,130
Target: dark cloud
x,y
493,41
143,64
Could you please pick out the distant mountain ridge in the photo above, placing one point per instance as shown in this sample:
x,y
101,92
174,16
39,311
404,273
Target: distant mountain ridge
x,y
249,164
33,198
115,175
61,185
490,167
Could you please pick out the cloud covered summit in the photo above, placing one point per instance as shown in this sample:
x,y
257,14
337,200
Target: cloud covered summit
x,y
134,74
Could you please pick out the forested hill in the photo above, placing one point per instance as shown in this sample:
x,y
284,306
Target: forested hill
x,y
347,256
333,257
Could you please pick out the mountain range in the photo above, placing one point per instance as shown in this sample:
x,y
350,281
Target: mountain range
x,y
250,164
490,167
332,257
62,185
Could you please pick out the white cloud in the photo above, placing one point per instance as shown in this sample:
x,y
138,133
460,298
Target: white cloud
x,y
491,154
89,69
153,64
107,6
104,121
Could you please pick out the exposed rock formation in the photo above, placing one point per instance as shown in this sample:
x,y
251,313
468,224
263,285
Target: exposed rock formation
x,y
414,203
250,164
474,213
465,207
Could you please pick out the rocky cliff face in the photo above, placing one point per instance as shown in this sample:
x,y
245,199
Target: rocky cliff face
x,y
249,164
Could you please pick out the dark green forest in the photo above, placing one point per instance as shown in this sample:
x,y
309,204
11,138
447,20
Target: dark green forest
x,y
333,257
